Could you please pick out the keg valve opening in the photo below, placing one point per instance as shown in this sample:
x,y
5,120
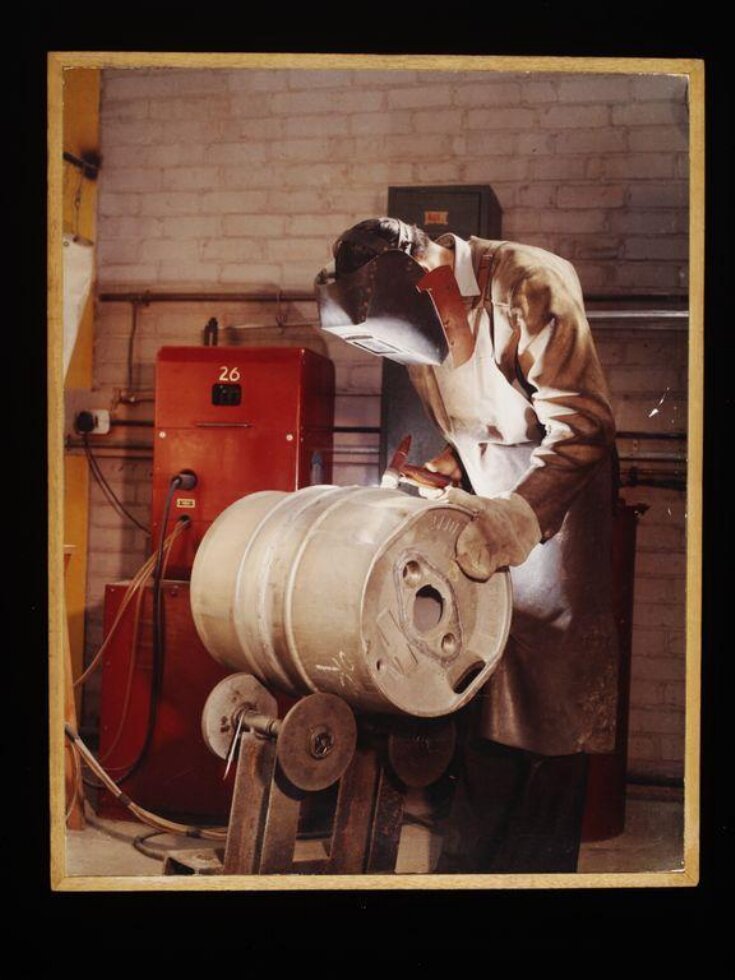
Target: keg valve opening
x,y
428,608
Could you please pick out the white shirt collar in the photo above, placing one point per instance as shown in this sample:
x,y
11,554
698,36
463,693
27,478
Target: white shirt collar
x,y
463,271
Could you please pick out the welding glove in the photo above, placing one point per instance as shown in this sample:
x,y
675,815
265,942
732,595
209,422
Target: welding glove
x,y
445,463
502,532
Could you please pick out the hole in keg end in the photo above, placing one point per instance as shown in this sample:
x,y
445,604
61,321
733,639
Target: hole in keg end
x,y
412,573
449,644
428,608
380,665
467,677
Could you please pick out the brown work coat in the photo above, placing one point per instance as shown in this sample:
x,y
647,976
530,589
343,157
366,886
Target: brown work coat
x,y
530,413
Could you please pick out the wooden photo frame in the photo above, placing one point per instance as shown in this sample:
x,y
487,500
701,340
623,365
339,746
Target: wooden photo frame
x,y
624,166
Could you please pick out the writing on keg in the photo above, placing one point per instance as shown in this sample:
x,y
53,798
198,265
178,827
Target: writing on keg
x,y
445,523
342,666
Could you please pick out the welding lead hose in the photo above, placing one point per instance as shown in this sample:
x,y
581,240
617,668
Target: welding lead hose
x,y
137,583
132,659
134,590
180,526
183,480
145,816
76,780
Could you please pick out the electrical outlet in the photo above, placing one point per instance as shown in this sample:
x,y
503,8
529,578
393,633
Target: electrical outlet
x,y
93,422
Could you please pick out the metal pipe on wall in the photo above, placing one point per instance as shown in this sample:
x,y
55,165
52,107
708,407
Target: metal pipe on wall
x,y
291,296
635,319
637,314
296,295
74,444
651,457
678,436
375,430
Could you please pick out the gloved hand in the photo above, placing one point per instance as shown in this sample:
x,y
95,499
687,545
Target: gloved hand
x,y
502,532
447,464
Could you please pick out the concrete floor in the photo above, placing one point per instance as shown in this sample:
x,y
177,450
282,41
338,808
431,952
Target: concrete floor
x,y
652,841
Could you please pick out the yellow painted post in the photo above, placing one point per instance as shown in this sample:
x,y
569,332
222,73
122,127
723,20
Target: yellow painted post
x,y
81,94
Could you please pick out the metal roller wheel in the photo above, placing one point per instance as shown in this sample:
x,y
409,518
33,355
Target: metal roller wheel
x,y
316,741
224,704
421,754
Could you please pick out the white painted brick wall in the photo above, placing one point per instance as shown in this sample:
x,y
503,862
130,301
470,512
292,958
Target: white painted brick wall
x,y
647,373
614,144
242,179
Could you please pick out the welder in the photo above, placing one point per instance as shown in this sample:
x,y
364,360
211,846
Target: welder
x,y
497,345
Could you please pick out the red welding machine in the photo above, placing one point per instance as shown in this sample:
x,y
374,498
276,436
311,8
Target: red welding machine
x,y
242,420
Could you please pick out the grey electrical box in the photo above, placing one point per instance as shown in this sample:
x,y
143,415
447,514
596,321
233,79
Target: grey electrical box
x,y
464,210
467,209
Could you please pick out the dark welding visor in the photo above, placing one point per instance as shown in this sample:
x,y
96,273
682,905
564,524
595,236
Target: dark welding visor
x,y
380,309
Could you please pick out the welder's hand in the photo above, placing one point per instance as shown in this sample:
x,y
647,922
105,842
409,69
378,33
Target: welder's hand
x,y
502,532
447,464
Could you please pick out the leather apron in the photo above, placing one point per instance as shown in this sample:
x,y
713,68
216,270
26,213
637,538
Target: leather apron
x,y
555,689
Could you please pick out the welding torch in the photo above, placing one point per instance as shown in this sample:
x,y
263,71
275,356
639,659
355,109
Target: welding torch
x,y
399,471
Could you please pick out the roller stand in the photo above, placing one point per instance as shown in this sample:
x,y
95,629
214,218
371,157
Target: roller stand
x,y
316,744
392,755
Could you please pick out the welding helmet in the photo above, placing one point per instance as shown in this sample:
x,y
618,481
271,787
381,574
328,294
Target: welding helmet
x,y
382,306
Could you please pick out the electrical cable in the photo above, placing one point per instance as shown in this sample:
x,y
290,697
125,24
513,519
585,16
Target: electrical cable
x,y
91,783
139,845
109,493
145,816
76,779
142,575
100,478
131,342
137,591
158,565
136,583
107,490
183,479
158,624
132,659
129,768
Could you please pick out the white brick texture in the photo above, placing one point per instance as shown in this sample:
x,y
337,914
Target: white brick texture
x,y
255,142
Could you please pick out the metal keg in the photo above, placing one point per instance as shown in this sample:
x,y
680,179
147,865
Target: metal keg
x,y
351,591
